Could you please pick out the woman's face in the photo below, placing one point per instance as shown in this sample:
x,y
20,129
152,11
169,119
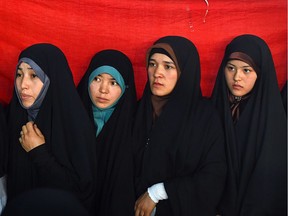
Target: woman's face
x,y
240,77
162,74
28,84
104,90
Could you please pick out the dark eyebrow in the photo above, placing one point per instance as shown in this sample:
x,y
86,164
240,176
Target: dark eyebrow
x,y
166,62
245,66
230,64
20,68
169,62
107,73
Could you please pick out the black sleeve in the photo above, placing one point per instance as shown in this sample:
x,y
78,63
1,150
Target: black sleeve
x,y
50,172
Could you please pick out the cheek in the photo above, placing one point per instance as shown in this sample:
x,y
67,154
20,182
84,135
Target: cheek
x,y
228,77
18,84
173,83
226,74
38,88
93,89
150,75
252,82
117,93
173,80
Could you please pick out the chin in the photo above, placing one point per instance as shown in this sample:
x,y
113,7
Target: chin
x,y
27,104
237,94
158,94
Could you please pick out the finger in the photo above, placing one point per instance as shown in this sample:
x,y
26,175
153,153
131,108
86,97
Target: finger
x,y
24,129
137,212
21,133
37,130
20,140
29,126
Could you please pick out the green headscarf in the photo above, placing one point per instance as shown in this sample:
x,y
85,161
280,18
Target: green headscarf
x,y
100,115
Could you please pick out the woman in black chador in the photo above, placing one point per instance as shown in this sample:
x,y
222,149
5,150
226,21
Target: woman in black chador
x,y
178,138
3,157
247,96
3,142
50,135
108,92
284,96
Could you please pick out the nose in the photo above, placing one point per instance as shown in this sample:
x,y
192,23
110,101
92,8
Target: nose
x,y
104,88
158,72
24,82
237,75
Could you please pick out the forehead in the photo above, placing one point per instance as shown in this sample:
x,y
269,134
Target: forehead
x,y
24,65
160,57
106,75
239,63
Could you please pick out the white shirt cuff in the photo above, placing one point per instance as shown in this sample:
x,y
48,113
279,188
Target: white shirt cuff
x,y
157,192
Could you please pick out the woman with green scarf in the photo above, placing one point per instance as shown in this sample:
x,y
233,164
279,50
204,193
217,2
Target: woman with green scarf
x,y
108,92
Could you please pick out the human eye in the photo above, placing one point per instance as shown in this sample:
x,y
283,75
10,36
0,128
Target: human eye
x,y
151,64
97,79
34,75
230,68
168,67
114,83
19,72
247,70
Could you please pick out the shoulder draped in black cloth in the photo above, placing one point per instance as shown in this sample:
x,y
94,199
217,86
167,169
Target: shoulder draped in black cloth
x,y
184,149
3,142
66,160
256,145
115,190
284,96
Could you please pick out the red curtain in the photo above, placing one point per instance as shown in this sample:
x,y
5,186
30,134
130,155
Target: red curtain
x,y
83,27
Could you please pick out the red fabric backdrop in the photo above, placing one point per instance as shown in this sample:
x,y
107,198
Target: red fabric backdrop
x,y
83,27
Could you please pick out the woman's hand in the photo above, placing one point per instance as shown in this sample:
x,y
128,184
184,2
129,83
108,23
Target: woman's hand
x,y
144,205
31,136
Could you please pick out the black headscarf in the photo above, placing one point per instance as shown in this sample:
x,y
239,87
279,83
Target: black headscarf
x,y
256,144
115,191
184,149
65,161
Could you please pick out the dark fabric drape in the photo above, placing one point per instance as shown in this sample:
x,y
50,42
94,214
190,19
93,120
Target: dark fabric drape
x,y
66,160
3,142
45,202
284,96
184,149
256,145
115,187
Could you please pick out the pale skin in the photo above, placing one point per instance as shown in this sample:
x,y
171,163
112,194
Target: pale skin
x,y
240,77
104,90
163,76
31,136
29,86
